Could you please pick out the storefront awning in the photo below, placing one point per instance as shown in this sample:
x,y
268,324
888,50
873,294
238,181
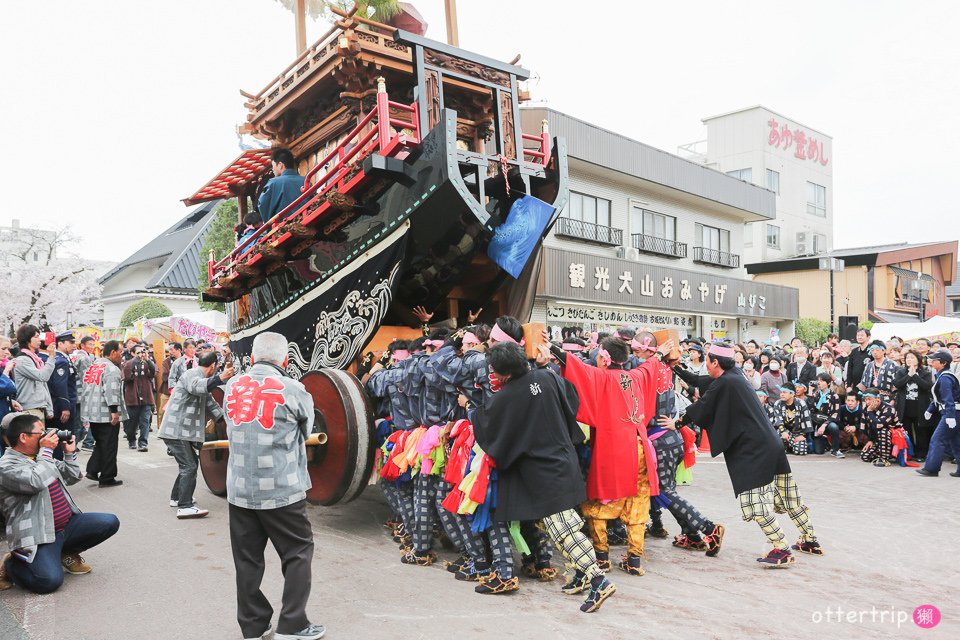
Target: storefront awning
x,y
248,166
913,275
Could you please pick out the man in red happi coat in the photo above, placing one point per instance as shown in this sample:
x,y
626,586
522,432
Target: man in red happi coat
x,y
617,404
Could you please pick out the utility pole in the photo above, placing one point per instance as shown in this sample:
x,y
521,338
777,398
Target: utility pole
x,y
453,34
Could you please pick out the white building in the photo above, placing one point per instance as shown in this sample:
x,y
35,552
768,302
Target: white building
x,y
649,239
793,160
165,269
19,245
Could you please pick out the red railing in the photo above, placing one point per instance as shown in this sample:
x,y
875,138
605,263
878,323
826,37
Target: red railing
x,y
377,139
540,153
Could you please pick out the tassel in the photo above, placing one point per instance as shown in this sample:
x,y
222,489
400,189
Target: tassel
x,y
517,537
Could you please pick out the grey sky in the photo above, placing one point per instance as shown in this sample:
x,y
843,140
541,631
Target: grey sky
x,y
112,113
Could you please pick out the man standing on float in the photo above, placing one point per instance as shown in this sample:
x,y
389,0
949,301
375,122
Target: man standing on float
x,y
756,461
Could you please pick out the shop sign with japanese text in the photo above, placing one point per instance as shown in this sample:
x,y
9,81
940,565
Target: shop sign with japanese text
x,y
573,313
581,277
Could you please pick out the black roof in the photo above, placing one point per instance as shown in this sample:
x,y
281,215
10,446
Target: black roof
x,y
180,245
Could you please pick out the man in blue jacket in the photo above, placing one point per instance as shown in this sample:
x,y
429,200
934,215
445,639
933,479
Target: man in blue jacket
x,y
946,400
284,188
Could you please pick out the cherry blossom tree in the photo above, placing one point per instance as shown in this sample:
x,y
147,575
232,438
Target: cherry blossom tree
x,y
47,286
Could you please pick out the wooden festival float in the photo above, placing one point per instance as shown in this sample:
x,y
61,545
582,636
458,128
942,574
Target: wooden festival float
x,y
417,173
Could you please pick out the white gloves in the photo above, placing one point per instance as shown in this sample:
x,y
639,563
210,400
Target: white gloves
x,y
952,423
927,415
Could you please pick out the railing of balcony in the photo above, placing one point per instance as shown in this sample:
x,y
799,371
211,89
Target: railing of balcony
x,y
719,258
659,246
588,231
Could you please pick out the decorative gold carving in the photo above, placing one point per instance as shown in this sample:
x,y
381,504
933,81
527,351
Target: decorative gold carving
x,y
466,67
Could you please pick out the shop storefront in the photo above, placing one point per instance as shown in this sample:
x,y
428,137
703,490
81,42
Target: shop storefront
x,y
602,293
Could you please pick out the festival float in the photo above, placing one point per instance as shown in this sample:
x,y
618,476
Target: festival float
x,y
421,189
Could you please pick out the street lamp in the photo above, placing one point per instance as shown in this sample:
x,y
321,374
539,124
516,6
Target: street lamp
x,y
832,265
921,286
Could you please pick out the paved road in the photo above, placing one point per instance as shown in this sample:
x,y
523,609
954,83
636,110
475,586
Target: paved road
x,y
890,536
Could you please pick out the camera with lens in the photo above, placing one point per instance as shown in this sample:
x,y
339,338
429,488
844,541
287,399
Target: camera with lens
x,y
65,435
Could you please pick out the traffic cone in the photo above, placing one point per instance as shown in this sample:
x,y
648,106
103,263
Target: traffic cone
x,y
704,442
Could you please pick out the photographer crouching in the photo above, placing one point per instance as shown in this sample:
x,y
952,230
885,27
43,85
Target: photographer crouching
x,y
45,529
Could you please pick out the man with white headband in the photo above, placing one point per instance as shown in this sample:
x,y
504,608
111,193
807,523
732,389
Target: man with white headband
x,y
756,461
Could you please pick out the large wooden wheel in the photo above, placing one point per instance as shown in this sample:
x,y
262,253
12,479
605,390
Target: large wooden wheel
x,y
213,462
339,469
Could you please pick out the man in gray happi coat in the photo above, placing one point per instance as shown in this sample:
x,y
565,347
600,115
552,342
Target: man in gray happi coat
x,y
184,428
269,416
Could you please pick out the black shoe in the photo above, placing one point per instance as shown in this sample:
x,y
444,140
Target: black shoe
x,y
142,449
603,561
493,584
113,482
130,445
929,474
955,474
598,593
577,584
93,476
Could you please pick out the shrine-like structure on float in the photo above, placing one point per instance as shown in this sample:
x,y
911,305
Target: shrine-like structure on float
x,y
421,189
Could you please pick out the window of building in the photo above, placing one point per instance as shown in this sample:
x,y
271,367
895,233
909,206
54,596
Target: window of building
x,y
713,238
773,181
651,223
748,234
588,209
819,243
956,306
742,174
773,236
816,199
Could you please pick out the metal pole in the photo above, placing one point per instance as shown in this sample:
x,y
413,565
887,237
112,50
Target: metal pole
x,y
453,34
832,327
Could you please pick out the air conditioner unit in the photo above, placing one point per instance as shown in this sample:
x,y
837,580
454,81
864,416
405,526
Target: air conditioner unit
x,y
803,237
801,249
628,253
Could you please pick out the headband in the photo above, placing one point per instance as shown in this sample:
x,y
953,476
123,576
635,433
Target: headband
x,y
433,343
400,354
500,335
875,346
642,346
470,338
870,395
721,352
798,383
761,392
572,346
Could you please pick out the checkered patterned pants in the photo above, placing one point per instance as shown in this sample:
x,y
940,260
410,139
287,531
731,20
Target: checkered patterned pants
x,y
427,508
882,449
501,549
669,448
465,539
564,529
780,496
633,511
797,447
400,499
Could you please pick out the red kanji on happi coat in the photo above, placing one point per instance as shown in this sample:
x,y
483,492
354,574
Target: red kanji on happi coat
x,y
94,373
251,400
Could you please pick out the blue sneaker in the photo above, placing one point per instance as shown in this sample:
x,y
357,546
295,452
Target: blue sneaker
x,y
597,594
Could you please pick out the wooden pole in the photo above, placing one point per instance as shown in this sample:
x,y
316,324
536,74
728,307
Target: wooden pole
x,y
301,23
453,34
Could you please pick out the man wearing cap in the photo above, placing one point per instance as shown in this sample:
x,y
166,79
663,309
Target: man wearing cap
x,y
794,420
877,420
63,386
880,372
756,461
946,399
